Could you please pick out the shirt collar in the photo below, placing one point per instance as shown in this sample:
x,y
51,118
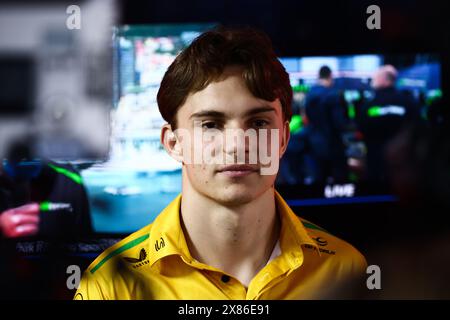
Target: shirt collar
x,y
293,235
167,237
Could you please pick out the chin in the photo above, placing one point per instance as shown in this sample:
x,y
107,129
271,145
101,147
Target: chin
x,y
234,200
230,192
234,195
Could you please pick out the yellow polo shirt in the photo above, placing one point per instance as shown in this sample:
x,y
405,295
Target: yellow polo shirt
x,y
155,263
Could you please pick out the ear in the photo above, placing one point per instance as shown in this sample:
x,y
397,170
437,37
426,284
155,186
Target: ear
x,y
286,135
171,143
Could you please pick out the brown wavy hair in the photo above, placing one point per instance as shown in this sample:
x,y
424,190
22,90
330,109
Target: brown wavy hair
x,y
205,59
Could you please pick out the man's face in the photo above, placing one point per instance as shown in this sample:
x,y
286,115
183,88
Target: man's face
x,y
381,78
378,80
231,175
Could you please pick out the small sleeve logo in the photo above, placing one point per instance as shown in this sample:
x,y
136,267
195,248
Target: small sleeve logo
x,y
159,244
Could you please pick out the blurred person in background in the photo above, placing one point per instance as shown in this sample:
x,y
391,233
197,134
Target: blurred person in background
x,y
414,256
416,264
382,117
43,208
325,112
40,197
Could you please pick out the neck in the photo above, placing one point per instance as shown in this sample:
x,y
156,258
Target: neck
x,y
237,240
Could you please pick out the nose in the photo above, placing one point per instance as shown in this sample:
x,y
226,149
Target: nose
x,y
236,143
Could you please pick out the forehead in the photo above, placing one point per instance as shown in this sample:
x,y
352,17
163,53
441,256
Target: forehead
x,y
228,95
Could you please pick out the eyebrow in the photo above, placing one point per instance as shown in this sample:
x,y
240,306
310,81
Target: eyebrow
x,y
260,110
207,113
218,114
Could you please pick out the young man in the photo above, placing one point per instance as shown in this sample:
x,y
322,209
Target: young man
x,y
229,234
390,109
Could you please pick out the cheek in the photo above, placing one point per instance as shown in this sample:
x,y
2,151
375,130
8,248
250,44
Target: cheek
x,y
270,141
211,149
201,148
199,173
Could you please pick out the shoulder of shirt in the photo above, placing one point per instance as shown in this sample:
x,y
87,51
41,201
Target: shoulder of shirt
x,y
331,246
129,247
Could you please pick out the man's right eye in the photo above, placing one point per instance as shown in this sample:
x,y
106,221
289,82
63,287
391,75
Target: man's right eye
x,y
209,125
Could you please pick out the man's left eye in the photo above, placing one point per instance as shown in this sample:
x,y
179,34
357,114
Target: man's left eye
x,y
260,123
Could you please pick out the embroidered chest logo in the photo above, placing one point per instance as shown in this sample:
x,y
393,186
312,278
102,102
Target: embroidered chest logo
x,y
159,244
320,241
140,261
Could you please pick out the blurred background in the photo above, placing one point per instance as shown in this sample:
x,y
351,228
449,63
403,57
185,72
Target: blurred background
x,y
368,158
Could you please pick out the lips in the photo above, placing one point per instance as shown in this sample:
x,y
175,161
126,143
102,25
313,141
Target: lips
x,y
238,170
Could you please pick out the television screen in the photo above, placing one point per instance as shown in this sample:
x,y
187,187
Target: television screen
x,y
347,111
